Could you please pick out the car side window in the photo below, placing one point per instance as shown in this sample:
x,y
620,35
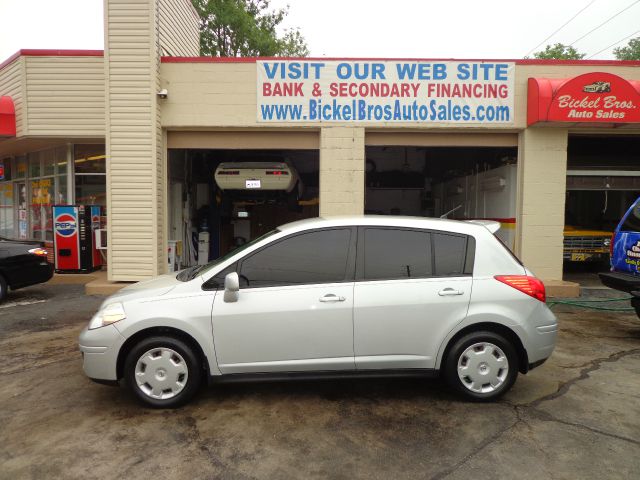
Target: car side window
x,y
449,253
309,258
396,254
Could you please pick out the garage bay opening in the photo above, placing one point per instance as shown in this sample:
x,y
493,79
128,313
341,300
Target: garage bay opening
x,y
220,199
455,182
603,180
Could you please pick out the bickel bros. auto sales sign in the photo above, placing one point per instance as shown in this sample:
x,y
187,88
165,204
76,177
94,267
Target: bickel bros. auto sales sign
x,y
595,97
399,91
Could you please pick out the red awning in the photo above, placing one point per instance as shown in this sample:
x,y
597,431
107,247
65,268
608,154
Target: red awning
x,y
7,117
595,97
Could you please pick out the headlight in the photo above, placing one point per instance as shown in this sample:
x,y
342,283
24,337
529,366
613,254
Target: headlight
x,y
114,312
38,251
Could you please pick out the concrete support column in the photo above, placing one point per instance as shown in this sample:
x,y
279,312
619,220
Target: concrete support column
x,y
342,174
542,180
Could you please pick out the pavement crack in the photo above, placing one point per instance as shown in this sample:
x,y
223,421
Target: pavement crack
x,y
546,416
589,367
489,441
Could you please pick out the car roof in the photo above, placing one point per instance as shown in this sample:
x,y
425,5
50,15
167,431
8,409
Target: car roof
x,y
456,226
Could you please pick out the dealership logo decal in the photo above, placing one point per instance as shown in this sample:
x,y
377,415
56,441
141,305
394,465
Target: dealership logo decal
x,y
65,225
597,87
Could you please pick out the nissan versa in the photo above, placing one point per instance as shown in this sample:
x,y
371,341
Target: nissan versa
x,y
328,297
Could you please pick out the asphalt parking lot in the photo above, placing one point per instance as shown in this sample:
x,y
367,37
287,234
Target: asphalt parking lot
x,y
577,416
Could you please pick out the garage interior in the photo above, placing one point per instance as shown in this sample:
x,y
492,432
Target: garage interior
x,y
603,179
231,217
459,182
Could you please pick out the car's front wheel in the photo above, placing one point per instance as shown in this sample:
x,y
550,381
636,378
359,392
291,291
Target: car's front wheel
x,y
163,372
481,365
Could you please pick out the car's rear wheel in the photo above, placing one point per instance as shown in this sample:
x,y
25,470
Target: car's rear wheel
x,y
481,365
3,288
163,372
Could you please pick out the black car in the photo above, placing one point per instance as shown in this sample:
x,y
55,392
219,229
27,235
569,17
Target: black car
x,y
22,264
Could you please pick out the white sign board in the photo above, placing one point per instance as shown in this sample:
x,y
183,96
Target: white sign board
x,y
361,91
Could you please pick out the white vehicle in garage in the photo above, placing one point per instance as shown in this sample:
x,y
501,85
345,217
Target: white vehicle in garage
x,y
343,296
256,176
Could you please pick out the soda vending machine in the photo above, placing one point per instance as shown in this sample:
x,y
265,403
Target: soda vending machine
x,y
74,238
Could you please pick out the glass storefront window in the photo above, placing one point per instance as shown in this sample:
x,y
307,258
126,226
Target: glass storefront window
x,y
61,190
40,208
5,166
61,160
91,189
48,164
21,167
89,159
34,165
6,210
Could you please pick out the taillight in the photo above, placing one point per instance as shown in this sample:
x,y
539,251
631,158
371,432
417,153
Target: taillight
x,y
38,251
276,172
526,284
611,246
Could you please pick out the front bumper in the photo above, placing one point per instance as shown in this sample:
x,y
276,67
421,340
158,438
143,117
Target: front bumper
x,y
100,348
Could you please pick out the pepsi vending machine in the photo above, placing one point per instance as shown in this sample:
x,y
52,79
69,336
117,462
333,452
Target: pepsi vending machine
x,y
74,238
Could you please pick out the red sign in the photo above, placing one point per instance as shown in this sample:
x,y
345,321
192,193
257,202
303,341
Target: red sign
x,y
7,117
596,97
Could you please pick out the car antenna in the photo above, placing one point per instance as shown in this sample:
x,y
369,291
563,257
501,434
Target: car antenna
x,y
445,215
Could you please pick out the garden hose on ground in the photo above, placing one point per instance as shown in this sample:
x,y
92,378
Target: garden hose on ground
x,y
581,304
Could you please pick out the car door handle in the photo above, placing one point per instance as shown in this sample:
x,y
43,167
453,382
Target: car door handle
x,y
330,297
449,291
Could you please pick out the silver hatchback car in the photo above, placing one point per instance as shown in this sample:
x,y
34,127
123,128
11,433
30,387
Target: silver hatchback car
x,y
330,297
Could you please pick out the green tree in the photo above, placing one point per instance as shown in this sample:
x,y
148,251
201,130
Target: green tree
x,y
630,52
559,52
246,28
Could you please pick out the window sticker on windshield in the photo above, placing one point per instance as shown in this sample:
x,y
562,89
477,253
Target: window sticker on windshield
x,y
252,184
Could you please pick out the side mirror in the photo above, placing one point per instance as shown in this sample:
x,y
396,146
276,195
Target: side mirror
x,y
231,287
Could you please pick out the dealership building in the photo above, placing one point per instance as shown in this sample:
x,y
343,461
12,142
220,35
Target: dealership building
x,y
157,136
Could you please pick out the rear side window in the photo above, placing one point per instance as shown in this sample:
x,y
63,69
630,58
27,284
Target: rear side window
x,y
632,222
392,254
309,258
449,253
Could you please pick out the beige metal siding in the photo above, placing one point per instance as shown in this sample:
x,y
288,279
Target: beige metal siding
x,y
65,96
178,28
11,84
135,235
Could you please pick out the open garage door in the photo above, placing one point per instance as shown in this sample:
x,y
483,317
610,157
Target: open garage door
x,y
226,189
452,175
603,179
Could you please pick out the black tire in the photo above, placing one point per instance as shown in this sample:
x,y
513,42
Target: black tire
x,y
635,303
461,345
4,289
192,364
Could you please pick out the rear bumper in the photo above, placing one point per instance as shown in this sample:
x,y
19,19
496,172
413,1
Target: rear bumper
x,y
620,281
540,335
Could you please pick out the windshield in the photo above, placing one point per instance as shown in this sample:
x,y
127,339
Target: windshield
x,y
192,272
